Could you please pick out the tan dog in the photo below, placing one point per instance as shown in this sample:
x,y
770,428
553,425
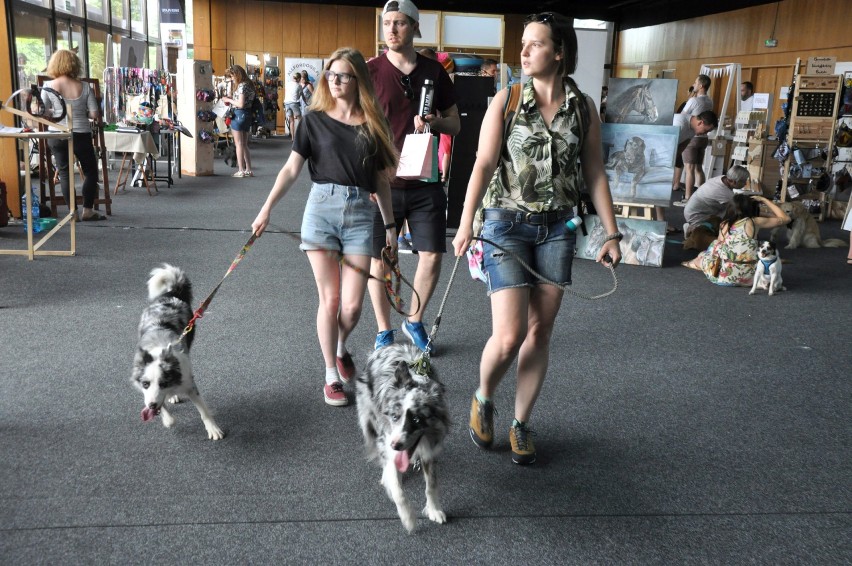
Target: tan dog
x,y
803,231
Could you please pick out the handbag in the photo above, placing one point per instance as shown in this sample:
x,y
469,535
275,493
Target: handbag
x,y
418,159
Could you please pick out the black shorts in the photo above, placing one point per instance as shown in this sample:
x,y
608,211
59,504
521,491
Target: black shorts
x,y
425,208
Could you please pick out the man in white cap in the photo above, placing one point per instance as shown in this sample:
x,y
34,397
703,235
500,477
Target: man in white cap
x,y
398,76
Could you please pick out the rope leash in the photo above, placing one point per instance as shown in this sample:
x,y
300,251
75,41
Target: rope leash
x,y
392,280
199,312
546,280
423,365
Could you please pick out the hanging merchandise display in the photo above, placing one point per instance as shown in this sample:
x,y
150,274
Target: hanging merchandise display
x,y
124,88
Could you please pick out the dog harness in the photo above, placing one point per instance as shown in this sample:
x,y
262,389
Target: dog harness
x,y
767,265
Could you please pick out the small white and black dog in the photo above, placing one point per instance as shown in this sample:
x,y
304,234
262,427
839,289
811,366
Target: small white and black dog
x,y
161,367
404,418
767,274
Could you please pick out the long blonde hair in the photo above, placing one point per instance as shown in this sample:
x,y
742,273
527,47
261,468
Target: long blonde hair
x,y
375,129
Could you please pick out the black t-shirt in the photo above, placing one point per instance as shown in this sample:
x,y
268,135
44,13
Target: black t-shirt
x,y
335,152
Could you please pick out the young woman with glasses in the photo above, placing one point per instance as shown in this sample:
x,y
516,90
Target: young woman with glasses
x,y
522,190
348,145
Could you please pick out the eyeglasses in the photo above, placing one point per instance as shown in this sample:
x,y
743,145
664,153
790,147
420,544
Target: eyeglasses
x,y
406,84
542,18
331,77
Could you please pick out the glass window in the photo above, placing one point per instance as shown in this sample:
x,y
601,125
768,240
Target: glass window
x,y
69,6
70,36
33,45
97,10
137,16
120,14
97,53
154,18
45,3
155,56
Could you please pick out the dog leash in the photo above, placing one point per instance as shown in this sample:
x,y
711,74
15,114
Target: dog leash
x,y
546,280
423,365
392,280
199,312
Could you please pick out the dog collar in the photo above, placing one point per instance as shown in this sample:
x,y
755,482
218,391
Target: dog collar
x,y
767,265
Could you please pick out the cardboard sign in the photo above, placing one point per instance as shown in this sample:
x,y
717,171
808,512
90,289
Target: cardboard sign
x,y
821,65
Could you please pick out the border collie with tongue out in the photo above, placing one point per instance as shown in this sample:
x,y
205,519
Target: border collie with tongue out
x,y
404,419
161,367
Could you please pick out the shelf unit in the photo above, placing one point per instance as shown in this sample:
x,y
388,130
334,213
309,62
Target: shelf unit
x,y
811,132
455,32
749,127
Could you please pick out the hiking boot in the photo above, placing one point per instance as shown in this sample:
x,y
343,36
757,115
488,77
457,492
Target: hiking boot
x,y
384,338
334,394
417,334
345,367
523,449
481,422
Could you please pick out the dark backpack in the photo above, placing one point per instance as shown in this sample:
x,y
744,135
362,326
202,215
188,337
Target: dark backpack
x,y
257,111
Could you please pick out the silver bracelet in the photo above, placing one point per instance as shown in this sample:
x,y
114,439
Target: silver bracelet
x,y
614,236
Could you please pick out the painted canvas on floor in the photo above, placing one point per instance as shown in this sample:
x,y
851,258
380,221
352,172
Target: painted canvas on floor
x,y
641,101
640,162
643,243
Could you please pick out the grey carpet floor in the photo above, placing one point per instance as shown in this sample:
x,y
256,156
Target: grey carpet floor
x,y
680,422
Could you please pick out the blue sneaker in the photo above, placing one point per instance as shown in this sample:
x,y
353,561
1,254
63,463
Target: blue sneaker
x,y
417,334
384,338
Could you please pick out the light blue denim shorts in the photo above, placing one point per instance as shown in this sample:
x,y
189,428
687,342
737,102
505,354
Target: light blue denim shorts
x,y
547,248
338,218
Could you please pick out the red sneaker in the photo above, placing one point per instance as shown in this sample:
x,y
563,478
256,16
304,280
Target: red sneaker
x,y
334,394
346,367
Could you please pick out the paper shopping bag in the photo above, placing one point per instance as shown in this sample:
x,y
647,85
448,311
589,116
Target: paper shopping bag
x,y
419,158
219,108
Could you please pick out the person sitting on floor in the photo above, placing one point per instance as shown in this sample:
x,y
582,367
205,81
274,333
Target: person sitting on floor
x,y
704,211
731,258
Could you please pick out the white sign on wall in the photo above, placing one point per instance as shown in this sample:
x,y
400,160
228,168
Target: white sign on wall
x,y
760,101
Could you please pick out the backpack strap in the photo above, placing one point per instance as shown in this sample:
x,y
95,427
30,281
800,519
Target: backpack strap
x,y
511,107
582,105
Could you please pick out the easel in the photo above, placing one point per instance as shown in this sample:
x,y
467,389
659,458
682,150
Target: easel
x,y
734,72
633,210
46,163
33,248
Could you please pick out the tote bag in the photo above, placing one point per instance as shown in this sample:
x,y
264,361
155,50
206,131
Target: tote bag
x,y
419,158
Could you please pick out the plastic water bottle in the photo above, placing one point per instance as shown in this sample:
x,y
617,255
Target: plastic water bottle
x,y
573,223
36,212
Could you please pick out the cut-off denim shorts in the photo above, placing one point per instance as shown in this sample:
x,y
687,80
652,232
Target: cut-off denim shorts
x,y
338,218
547,248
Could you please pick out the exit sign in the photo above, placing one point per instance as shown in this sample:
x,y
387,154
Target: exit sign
x,y
771,43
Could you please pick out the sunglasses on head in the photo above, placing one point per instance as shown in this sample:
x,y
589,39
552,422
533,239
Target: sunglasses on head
x,y
405,80
542,18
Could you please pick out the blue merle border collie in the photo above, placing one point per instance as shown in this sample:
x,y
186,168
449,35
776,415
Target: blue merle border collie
x,y
162,370
404,418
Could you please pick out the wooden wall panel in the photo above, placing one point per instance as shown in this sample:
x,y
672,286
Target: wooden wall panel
x,y
236,26
347,17
8,147
218,24
219,59
327,37
273,30
291,30
309,30
201,25
254,30
365,31
513,31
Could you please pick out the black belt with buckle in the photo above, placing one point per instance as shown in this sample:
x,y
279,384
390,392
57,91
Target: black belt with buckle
x,y
535,218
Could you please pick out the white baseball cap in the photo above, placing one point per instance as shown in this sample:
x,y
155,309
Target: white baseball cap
x,y
407,7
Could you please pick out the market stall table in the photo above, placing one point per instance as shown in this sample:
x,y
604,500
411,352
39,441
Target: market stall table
x,y
142,146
